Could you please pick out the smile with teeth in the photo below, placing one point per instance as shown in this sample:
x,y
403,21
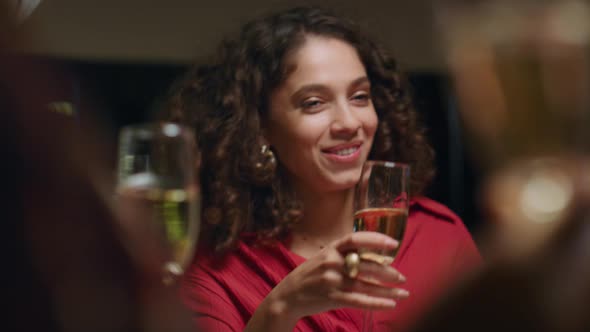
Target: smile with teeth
x,y
346,152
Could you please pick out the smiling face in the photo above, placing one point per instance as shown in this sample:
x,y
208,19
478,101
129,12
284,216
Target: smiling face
x,y
322,120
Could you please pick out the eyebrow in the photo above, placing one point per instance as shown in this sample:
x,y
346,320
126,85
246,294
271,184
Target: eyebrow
x,y
360,80
320,87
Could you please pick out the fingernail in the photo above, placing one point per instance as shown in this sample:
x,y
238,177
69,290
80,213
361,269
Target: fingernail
x,y
402,278
391,243
403,293
390,303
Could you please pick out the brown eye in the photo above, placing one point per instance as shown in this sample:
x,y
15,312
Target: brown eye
x,y
311,104
361,98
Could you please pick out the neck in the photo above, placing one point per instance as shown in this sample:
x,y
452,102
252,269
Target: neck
x,y
326,217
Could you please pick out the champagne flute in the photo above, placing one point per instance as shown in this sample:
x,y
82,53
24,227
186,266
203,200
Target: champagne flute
x,y
158,196
381,205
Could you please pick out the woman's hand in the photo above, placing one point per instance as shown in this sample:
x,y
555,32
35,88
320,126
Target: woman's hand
x,y
322,283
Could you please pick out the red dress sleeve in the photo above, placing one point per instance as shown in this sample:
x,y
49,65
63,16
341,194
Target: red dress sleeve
x,y
466,256
223,293
204,297
437,252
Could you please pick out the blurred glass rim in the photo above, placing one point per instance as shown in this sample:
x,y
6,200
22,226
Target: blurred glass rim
x,y
388,164
21,9
146,131
540,190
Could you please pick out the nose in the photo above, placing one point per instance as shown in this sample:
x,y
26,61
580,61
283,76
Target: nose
x,y
345,122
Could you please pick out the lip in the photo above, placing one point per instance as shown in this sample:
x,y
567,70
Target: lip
x,y
330,152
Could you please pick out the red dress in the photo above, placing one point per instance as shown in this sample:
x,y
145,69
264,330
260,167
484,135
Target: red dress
x,y
224,293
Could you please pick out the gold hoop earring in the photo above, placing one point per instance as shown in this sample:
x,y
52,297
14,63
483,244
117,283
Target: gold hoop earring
x,y
268,155
267,152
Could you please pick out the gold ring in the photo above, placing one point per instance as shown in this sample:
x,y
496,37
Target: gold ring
x,y
352,260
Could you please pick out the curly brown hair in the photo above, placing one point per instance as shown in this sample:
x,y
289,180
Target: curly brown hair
x,y
226,103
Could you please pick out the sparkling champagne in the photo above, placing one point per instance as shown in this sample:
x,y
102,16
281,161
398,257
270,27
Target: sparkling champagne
x,y
389,221
162,224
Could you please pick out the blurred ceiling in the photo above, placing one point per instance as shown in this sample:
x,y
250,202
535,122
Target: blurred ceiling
x,y
178,31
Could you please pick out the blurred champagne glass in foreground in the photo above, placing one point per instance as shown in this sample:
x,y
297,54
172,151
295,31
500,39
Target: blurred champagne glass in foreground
x,y
158,196
521,72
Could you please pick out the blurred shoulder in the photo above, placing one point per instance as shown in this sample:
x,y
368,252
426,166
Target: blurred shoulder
x,y
438,224
426,208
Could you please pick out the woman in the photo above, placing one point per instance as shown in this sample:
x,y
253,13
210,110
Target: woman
x,y
286,115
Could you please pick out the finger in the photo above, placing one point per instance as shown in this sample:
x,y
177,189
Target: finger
x,y
373,289
330,258
383,274
362,301
368,240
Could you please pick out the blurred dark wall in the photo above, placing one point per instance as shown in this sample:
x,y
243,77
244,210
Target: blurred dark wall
x,y
457,181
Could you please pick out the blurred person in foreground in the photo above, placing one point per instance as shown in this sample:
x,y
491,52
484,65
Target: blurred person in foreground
x,y
521,75
544,290
66,268
285,116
